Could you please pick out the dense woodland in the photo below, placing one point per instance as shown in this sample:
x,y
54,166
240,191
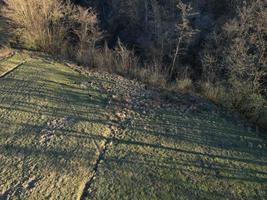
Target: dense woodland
x,y
214,48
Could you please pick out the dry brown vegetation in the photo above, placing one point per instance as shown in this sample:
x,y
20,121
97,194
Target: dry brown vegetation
x,y
235,59
53,26
5,52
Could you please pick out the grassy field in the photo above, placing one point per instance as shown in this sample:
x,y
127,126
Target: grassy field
x,y
47,122
8,64
67,135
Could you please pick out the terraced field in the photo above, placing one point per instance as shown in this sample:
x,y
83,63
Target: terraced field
x,y
71,135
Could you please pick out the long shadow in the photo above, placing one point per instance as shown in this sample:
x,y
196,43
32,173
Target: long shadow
x,y
91,107
51,156
74,133
186,166
225,141
175,165
212,138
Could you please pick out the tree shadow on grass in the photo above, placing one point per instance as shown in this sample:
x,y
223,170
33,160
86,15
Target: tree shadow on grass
x,y
66,98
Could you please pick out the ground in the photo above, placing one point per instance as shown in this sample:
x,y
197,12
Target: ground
x,y
70,134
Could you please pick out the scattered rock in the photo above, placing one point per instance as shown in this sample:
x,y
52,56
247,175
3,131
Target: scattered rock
x,y
31,183
46,136
115,98
48,133
120,115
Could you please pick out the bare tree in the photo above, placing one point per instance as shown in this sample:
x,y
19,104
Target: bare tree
x,y
88,33
184,32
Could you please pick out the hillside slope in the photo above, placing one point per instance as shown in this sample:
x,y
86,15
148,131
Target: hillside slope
x,y
71,135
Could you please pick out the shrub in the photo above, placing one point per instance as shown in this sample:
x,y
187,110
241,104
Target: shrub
x,y
53,26
38,23
215,93
184,85
88,34
152,75
245,58
236,59
123,61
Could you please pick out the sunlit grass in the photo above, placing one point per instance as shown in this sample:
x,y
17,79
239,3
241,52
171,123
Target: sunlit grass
x,y
53,124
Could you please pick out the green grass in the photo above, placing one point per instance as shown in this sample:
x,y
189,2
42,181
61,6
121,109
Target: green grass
x,y
177,156
168,154
30,97
8,64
